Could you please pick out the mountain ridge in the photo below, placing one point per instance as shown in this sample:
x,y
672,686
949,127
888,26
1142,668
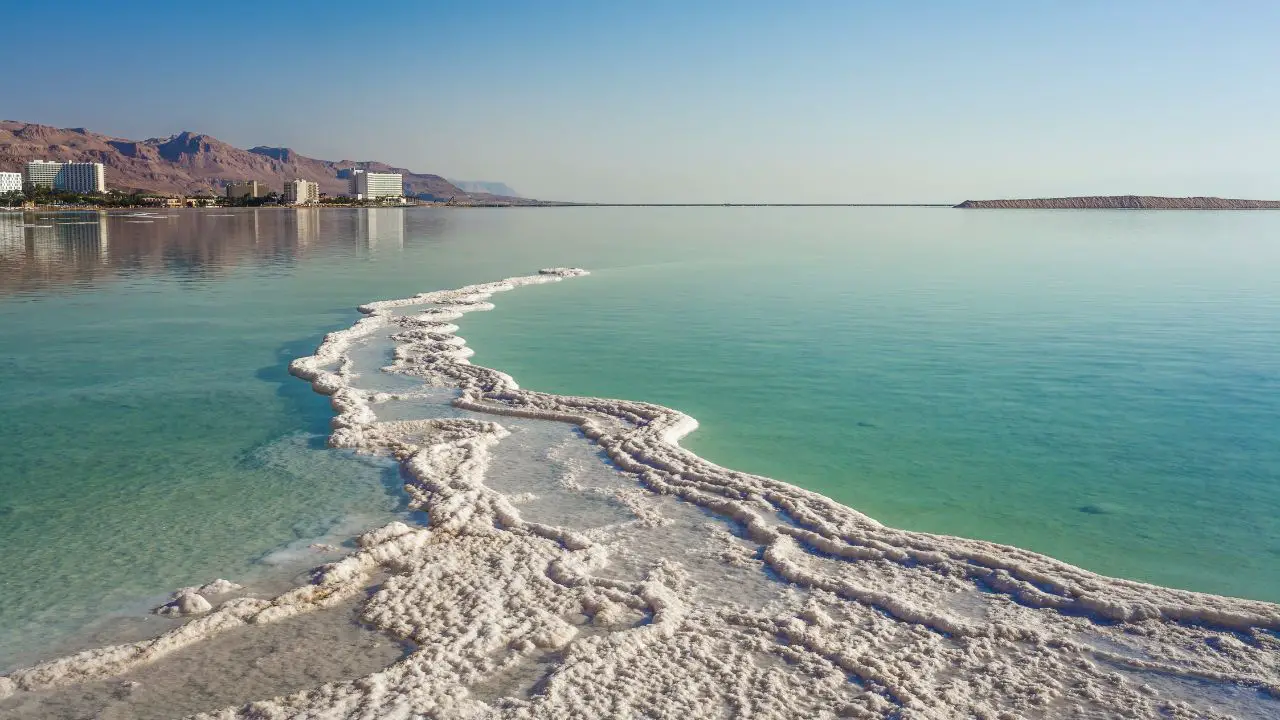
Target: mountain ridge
x,y
189,163
488,187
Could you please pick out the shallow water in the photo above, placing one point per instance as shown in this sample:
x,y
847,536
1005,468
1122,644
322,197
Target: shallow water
x,y
1097,386
239,667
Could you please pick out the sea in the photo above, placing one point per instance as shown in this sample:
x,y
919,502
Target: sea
x,y
1099,386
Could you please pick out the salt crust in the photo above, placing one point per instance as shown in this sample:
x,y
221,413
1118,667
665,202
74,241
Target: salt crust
x,y
194,600
891,623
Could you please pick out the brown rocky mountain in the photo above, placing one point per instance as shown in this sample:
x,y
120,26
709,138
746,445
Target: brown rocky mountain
x,y
1122,202
190,163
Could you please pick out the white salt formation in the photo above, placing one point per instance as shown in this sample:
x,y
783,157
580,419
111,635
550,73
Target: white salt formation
x,y
219,587
194,600
185,603
577,563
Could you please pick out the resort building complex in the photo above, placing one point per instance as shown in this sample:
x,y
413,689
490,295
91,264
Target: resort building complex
x,y
90,177
298,192
84,177
372,186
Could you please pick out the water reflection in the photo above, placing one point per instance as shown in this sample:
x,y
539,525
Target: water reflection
x,y
43,250
307,225
382,227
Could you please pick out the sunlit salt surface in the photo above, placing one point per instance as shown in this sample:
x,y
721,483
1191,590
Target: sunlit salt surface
x,y
574,561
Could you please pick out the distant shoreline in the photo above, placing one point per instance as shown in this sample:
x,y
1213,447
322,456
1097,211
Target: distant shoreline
x,y
1121,202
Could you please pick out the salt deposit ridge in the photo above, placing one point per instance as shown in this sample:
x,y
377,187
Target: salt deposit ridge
x,y
578,563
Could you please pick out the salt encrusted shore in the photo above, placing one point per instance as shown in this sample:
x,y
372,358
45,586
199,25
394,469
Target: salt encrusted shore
x,y
797,606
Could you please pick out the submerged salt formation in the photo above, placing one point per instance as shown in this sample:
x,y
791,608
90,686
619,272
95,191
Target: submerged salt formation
x,y
195,600
660,584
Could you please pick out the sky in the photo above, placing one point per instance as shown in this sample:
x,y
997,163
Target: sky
x,y
627,101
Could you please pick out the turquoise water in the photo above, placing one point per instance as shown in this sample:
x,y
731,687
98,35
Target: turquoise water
x,y
1098,386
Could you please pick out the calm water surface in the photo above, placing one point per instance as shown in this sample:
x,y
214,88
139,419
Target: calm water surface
x,y
1100,386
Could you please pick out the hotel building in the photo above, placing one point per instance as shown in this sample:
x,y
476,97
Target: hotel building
x,y
247,189
83,177
10,182
42,173
298,192
373,186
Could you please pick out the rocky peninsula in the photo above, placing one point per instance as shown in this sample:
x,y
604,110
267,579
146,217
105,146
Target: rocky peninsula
x,y
1122,202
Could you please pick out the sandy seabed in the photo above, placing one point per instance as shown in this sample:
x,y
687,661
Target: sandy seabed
x,y
576,562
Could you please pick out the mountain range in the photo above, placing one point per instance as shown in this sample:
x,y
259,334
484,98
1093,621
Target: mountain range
x,y
191,163
487,187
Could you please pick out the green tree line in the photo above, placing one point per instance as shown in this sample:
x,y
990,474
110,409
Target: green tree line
x,y
49,196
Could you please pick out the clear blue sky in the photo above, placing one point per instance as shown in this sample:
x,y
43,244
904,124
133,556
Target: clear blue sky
x,y
651,101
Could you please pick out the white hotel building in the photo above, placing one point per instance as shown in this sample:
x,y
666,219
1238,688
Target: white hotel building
x,y
299,192
84,177
72,176
43,173
372,186
10,182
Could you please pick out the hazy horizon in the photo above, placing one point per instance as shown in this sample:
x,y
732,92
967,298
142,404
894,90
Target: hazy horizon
x,y
743,102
